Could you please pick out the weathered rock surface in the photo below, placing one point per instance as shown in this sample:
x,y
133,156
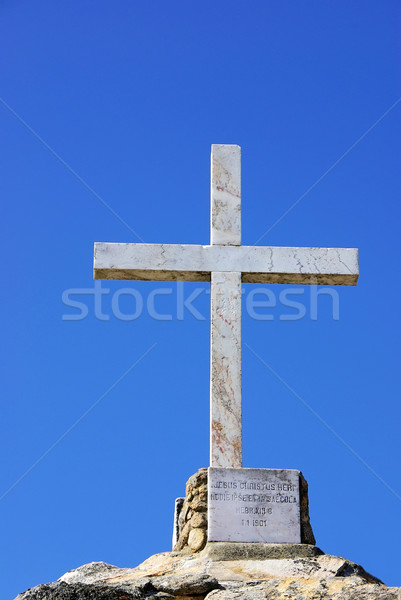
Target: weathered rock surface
x,y
192,515
222,572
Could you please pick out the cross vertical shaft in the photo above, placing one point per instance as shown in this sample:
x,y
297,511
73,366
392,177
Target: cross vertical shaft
x,y
225,293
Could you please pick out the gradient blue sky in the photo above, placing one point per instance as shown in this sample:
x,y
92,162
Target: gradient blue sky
x,y
130,96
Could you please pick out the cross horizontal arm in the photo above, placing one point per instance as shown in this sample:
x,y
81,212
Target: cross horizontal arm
x,y
258,264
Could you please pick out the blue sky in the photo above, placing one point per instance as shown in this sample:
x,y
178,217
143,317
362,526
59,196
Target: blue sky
x,y
107,116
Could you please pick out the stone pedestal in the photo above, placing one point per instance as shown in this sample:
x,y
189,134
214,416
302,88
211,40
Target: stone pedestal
x,y
192,527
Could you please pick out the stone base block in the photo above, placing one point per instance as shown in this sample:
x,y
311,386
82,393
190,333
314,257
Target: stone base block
x,y
191,514
256,551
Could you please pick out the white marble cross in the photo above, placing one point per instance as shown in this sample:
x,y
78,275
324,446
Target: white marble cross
x,y
226,264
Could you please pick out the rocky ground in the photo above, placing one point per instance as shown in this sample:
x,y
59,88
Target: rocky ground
x,y
222,572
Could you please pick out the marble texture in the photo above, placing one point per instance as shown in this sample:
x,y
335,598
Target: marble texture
x,y
258,264
225,193
254,505
225,371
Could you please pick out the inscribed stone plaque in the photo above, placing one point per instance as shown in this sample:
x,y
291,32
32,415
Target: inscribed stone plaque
x,y
253,505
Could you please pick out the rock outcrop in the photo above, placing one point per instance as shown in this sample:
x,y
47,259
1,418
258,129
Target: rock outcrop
x,y
223,572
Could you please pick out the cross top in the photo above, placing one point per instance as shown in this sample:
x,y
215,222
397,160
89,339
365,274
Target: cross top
x,y
226,264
